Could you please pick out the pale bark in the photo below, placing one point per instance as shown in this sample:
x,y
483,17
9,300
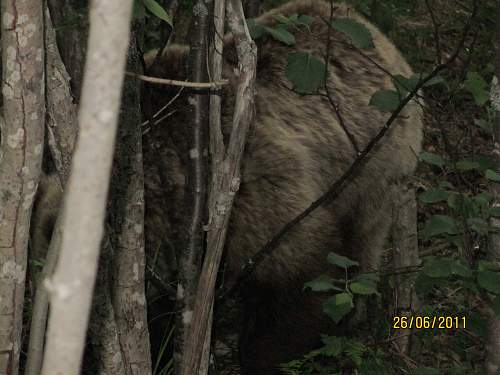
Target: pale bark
x,y
492,361
225,184
21,150
405,254
84,210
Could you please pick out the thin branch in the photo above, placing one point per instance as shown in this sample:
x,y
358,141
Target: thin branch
x,y
436,31
173,82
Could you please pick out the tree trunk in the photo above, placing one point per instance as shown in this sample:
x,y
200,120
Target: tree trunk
x,y
84,209
21,150
62,130
127,225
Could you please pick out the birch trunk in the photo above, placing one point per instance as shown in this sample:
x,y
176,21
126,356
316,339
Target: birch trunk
x,y
84,210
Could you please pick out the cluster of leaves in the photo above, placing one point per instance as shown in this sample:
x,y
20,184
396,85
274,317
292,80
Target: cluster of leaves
x,y
341,304
336,355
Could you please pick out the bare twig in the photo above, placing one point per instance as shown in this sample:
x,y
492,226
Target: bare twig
x,y
173,82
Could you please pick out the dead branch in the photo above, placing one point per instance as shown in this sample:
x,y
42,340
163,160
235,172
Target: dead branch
x,y
225,183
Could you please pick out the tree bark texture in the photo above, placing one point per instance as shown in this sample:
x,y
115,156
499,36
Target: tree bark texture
x,y
405,254
127,225
196,191
71,21
21,128
84,209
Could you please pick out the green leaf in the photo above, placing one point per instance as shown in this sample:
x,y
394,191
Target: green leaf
x,y
304,19
364,287
437,268
306,72
467,165
157,10
433,159
495,305
281,35
494,211
322,283
341,261
338,306
433,196
385,100
439,224
357,32
256,29
139,11
460,269
492,175
333,346
478,225
434,81
489,280
478,87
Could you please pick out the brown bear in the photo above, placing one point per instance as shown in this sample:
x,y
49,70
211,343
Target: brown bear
x,y
296,150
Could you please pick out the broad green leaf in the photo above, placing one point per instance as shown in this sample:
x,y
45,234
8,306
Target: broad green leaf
x,y
434,81
467,165
437,268
138,11
494,211
460,269
439,224
322,283
306,72
478,225
340,260
433,159
281,35
492,175
304,19
357,32
385,100
489,280
364,287
256,29
478,87
495,305
157,10
338,306
433,196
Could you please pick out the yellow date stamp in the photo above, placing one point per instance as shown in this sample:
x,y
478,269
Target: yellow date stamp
x,y
429,322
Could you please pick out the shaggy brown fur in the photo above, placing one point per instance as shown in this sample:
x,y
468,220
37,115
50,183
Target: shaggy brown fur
x,y
295,151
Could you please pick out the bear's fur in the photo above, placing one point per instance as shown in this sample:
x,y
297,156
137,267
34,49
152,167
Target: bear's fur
x,y
295,150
